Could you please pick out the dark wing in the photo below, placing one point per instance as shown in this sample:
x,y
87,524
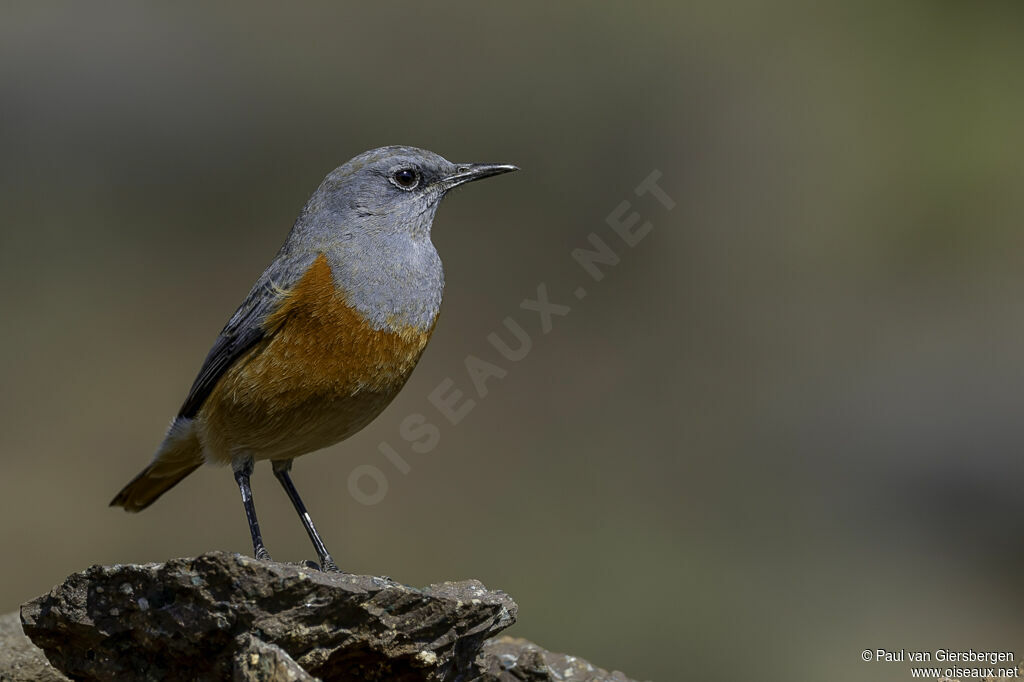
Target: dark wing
x,y
243,331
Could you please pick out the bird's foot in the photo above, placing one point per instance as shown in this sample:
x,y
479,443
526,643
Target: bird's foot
x,y
328,566
262,554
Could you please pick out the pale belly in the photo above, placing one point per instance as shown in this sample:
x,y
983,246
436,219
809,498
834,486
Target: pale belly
x,y
263,430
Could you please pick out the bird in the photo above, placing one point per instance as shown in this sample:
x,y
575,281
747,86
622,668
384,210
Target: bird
x,y
326,337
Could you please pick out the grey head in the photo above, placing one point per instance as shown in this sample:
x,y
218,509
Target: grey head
x,y
371,218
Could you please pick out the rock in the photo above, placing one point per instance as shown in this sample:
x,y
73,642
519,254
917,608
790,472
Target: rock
x,y
20,660
511,659
257,661
221,616
228,617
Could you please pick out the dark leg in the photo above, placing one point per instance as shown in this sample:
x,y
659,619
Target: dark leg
x,y
243,469
281,468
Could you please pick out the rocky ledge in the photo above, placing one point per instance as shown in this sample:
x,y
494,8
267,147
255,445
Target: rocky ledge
x,y
224,616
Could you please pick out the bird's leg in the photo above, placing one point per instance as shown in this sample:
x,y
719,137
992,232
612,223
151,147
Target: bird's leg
x,y
281,469
243,470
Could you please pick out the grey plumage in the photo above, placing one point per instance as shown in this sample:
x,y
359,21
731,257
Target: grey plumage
x,y
370,219
376,237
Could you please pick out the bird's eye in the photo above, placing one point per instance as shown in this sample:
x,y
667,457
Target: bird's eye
x,y
406,178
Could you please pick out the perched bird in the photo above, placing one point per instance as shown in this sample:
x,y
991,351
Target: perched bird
x,y
327,336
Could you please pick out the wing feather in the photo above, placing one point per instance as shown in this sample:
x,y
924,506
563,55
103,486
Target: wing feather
x,y
244,330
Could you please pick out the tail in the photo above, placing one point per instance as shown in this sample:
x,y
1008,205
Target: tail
x,y
179,455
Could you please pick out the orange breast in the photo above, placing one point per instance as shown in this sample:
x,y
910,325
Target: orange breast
x,y
320,375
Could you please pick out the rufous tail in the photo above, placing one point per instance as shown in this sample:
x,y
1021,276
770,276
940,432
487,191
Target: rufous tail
x,y
180,454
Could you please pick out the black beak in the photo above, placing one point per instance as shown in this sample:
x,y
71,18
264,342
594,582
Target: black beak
x,y
468,172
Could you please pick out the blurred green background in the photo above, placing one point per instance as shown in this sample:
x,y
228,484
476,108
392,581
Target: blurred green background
x,y
784,429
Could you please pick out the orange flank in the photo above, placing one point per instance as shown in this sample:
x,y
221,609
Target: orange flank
x,y
320,374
